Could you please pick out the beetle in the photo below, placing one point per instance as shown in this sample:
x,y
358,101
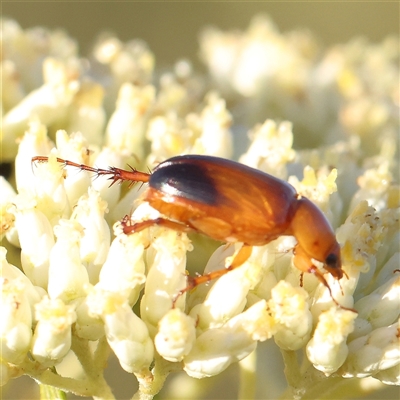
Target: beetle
x,y
231,202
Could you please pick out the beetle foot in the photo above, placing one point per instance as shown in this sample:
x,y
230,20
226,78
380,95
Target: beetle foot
x,y
127,226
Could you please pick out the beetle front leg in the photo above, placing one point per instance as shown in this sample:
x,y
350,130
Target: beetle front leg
x,y
303,262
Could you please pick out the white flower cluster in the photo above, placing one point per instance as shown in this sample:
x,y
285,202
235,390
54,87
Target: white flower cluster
x,y
78,284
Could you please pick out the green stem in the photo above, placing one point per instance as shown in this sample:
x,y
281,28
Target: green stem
x,y
311,383
150,384
292,369
102,352
96,387
51,393
81,349
93,364
247,385
321,388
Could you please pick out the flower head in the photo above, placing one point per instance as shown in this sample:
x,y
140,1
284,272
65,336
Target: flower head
x,y
84,282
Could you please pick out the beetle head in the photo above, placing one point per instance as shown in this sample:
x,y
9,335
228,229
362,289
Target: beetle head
x,y
333,263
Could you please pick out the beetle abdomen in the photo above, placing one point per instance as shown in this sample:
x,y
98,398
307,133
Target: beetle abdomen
x,y
222,198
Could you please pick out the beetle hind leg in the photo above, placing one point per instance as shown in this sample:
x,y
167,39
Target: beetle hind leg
x,y
240,258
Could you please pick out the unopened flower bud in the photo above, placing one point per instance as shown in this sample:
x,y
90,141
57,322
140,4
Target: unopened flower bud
x,y
166,275
175,336
126,333
290,310
377,351
95,243
15,320
52,337
218,308
36,239
124,269
327,349
34,142
67,274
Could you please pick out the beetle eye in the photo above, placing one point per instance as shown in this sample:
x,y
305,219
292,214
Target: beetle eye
x,y
331,260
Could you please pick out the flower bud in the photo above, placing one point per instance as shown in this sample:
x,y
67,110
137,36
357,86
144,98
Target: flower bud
x,y
215,349
124,269
36,239
95,243
52,337
369,354
126,127
67,274
7,226
217,308
166,276
11,273
73,147
50,102
88,326
257,321
290,310
216,137
126,333
12,89
104,159
390,376
15,320
381,307
34,142
271,148
49,192
5,372
87,113
327,349
176,335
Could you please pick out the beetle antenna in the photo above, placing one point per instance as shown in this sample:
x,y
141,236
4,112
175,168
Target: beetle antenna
x,y
325,283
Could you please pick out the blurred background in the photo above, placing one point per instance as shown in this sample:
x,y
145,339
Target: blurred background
x,y
171,30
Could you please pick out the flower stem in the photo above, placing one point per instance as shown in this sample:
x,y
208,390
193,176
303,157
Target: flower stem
x,y
150,384
247,385
48,392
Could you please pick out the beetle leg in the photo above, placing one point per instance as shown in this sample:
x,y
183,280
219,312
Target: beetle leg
x,y
129,228
322,279
242,256
302,262
301,279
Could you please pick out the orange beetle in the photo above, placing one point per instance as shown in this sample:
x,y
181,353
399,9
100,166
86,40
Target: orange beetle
x,y
231,202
